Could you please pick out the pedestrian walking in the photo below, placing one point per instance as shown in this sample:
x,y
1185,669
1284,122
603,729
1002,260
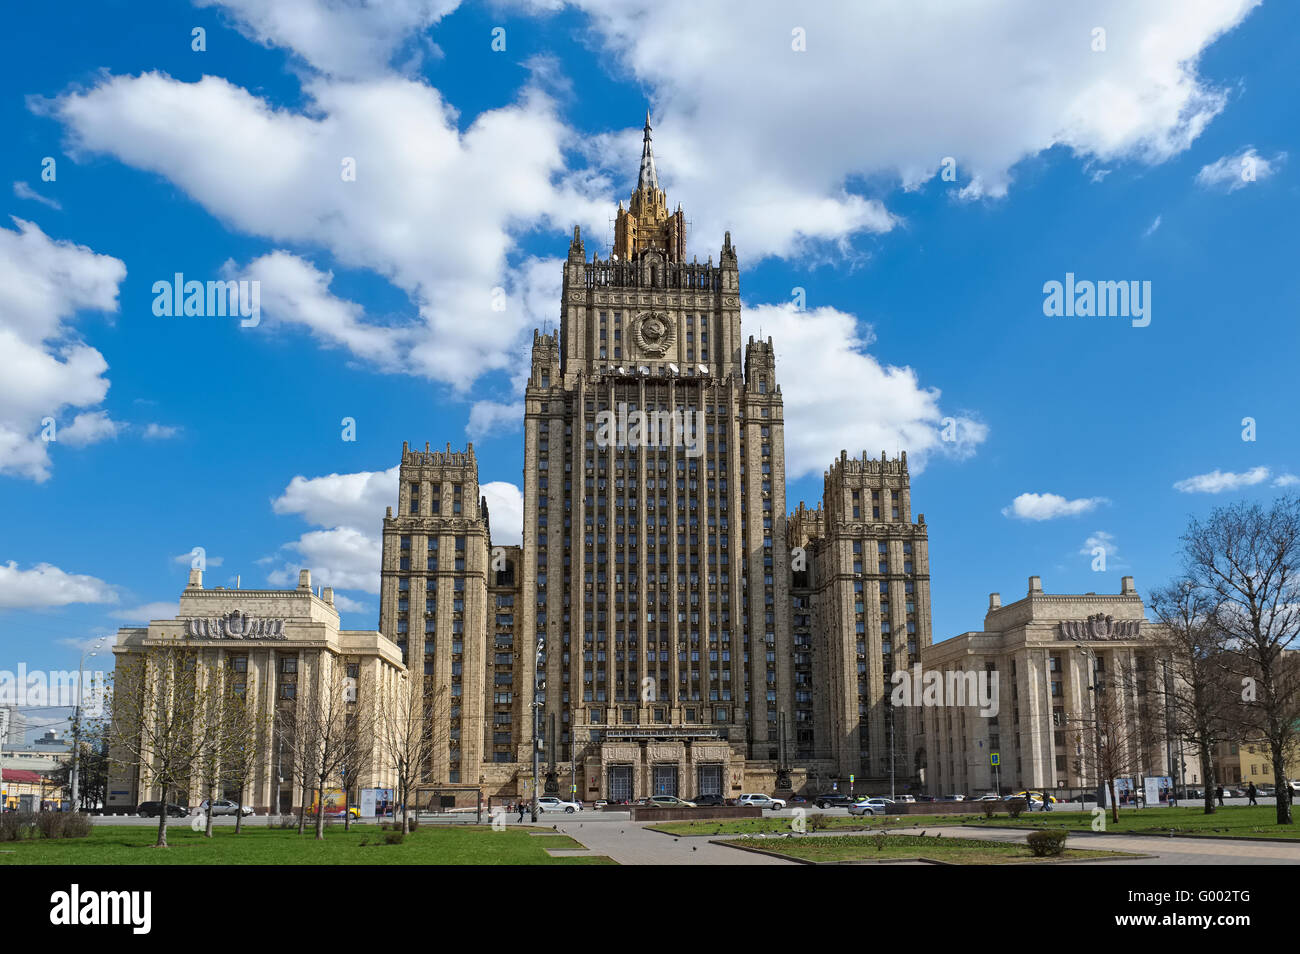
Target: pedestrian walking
x,y
521,809
1250,791
1219,792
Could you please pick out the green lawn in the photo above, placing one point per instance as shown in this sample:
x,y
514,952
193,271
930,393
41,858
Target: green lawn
x,y
1235,821
428,845
961,851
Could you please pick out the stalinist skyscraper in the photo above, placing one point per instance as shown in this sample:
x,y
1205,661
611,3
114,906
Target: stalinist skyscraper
x,y
693,636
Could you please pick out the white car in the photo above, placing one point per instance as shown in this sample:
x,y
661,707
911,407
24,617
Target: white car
x,y
669,801
870,806
224,806
549,803
761,801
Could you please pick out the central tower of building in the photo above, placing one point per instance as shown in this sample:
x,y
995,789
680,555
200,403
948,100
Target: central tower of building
x,y
657,568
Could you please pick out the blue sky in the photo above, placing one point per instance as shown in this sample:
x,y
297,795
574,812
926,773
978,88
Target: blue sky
x,y
923,297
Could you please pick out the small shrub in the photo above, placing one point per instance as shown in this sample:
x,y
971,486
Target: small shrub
x,y
78,825
989,808
51,824
816,822
17,826
1016,807
393,837
1046,844
880,840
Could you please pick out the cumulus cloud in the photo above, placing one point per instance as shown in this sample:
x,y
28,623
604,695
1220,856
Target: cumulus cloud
x,y
493,417
1106,543
879,99
342,37
1286,480
90,428
154,431
1217,481
433,209
1236,172
840,397
505,512
1049,506
45,585
44,283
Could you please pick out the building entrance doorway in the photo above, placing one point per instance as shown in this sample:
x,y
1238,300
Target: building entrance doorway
x,y
665,780
710,780
620,783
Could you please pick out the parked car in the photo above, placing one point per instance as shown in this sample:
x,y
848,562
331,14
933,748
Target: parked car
x,y
224,806
761,801
710,801
988,798
832,800
907,798
154,809
336,812
549,803
601,803
670,801
798,800
870,806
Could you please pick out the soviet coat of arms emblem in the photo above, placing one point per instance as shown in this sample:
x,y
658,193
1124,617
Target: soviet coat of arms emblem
x,y
653,334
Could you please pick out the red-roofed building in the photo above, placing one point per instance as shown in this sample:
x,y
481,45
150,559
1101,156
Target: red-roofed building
x,y
15,783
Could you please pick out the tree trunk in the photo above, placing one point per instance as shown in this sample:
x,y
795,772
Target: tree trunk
x,y
239,815
212,797
347,810
1207,766
162,822
320,810
1114,805
302,812
1282,784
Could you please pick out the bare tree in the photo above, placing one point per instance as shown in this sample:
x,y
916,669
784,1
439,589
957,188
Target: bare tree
x,y
326,734
408,732
246,743
1199,694
159,720
1117,740
1247,561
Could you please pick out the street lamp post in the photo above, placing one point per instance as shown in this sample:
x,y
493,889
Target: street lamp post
x,y
76,722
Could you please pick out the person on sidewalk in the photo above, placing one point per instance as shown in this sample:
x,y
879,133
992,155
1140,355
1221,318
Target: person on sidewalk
x,y
521,809
1250,792
1219,792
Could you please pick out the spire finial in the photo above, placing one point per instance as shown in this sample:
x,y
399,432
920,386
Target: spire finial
x,y
649,178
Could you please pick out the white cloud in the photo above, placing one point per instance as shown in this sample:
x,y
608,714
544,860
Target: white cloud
x,y
1050,506
23,191
344,37
349,508
505,512
90,428
147,612
341,500
345,604
160,432
433,209
881,98
45,585
1151,229
43,284
1217,481
1236,172
1286,480
340,557
493,417
840,397
1110,550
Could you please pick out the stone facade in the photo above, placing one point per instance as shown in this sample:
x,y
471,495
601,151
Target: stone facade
x,y
673,640
1041,648
279,645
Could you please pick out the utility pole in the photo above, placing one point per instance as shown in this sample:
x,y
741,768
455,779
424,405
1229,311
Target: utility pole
x,y
76,723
